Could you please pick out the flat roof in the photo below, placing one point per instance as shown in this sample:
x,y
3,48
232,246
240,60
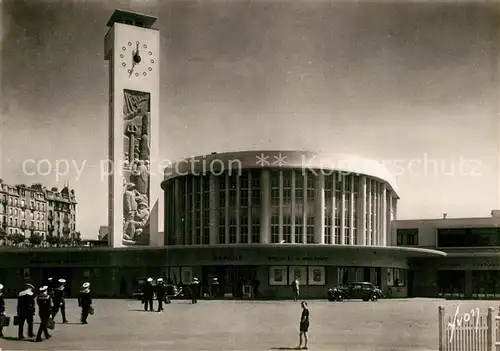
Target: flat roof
x,y
119,15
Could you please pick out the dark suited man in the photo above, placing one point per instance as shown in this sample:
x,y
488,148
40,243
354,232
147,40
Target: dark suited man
x,y
44,302
215,287
148,295
26,310
85,301
59,302
161,293
195,289
50,285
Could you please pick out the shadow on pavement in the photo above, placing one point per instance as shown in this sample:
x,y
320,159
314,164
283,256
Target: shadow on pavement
x,y
11,338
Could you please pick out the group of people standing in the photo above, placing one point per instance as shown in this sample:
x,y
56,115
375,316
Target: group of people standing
x,y
50,300
152,291
157,290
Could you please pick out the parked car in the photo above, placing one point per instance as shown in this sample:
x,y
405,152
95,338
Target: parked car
x,y
335,294
365,291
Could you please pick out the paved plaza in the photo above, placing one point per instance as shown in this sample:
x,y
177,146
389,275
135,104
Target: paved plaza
x,y
409,324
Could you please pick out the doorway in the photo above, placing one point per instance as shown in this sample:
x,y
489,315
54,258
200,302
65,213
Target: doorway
x,y
410,283
451,283
231,279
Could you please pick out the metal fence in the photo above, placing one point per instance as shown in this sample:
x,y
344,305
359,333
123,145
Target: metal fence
x,y
468,331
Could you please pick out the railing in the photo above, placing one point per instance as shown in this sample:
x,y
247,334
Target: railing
x,y
469,331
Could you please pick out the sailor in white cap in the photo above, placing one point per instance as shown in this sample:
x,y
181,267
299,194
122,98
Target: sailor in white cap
x,y
148,295
44,310
161,293
26,310
59,302
2,310
195,284
85,301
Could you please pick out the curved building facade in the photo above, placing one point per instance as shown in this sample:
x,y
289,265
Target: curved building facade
x,y
278,197
264,218
256,221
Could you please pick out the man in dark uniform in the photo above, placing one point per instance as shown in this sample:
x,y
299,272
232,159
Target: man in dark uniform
x,y
304,325
26,310
85,301
2,310
44,310
161,293
148,295
50,285
195,290
215,287
59,302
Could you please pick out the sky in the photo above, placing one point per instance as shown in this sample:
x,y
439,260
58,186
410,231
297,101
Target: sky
x,y
405,84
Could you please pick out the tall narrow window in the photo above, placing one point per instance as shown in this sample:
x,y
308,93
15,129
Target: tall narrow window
x,y
222,209
338,207
299,207
275,203
244,207
327,231
286,208
255,205
206,210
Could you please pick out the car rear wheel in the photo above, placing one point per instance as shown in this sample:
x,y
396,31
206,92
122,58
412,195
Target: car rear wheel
x,y
373,297
339,298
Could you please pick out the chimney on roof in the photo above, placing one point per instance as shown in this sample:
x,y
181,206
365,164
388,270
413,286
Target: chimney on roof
x,y
495,213
445,215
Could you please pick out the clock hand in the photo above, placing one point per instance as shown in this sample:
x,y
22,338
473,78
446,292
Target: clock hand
x,y
132,69
136,57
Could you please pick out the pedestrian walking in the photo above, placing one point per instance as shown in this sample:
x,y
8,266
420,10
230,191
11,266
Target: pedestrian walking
x,y
85,302
45,308
26,310
195,288
59,302
304,325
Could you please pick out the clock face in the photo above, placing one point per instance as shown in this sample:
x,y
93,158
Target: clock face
x,y
137,59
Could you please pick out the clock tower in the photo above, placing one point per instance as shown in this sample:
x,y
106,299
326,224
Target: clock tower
x,y
132,48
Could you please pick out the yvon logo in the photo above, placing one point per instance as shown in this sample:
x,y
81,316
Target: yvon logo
x,y
473,316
